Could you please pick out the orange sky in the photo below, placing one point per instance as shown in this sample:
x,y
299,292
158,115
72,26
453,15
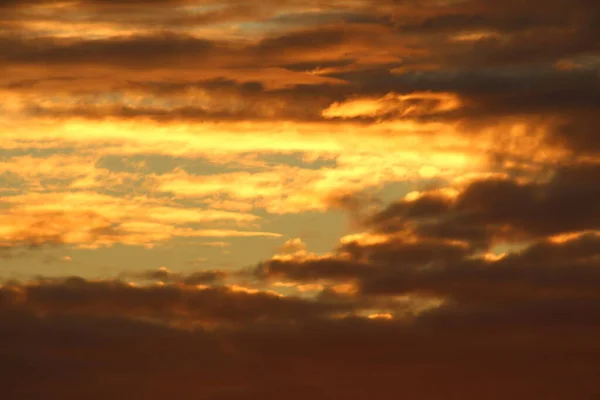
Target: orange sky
x,y
360,198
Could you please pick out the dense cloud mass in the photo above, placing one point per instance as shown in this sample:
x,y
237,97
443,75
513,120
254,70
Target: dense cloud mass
x,y
100,352
349,199
503,209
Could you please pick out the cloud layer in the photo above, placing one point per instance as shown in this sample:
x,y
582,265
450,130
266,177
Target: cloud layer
x,y
190,163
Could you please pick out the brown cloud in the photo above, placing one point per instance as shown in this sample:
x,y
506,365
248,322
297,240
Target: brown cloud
x,y
502,209
186,304
481,283
173,50
470,354
546,270
448,246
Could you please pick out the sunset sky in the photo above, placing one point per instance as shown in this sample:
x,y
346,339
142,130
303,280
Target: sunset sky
x,y
285,199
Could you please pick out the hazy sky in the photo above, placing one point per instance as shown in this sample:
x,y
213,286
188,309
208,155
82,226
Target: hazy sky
x,y
285,199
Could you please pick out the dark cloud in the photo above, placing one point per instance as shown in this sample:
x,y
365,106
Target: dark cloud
x,y
466,325
400,253
168,302
312,270
521,304
545,270
173,50
492,92
502,209
435,245
511,352
203,277
142,51
426,206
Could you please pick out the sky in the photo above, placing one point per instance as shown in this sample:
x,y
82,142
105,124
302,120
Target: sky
x,y
284,199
